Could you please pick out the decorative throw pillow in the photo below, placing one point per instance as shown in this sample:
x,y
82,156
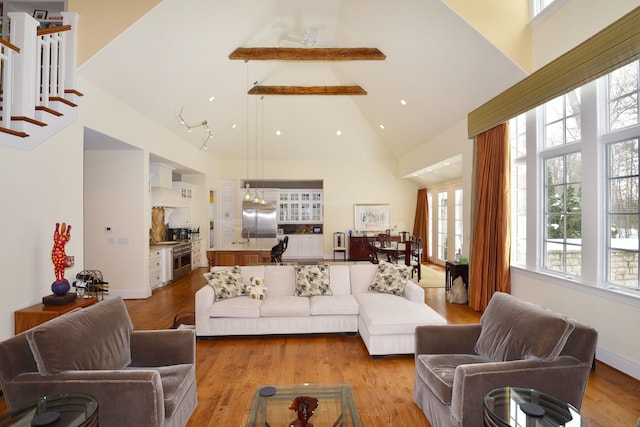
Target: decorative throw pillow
x,y
390,278
227,283
312,280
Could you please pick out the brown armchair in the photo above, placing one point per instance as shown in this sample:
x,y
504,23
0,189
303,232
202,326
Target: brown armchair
x,y
138,377
516,344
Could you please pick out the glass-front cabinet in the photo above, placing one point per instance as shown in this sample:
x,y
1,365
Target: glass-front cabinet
x,y
300,206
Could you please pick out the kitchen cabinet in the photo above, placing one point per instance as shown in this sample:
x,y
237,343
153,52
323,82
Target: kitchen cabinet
x,y
240,257
181,217
300,206
160,263
196,254
304,246
227,199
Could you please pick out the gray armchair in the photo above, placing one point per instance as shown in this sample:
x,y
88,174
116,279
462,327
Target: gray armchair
x,y
516,344
138,377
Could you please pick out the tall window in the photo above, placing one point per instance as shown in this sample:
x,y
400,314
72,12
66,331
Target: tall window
x,y
459,221
562,214
622,87
623,213
442,225
539,5
587,203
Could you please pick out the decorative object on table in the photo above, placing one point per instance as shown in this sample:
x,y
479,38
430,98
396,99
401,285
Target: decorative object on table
x,y
89,283
458,292
304,406
257,290
61,236
372,217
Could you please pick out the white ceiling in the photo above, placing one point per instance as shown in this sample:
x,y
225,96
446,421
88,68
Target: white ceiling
x,y
176,57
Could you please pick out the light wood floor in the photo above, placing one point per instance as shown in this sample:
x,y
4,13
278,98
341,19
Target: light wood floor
x,y
229,369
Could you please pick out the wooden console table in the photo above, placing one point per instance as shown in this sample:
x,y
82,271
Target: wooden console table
x,y
37,314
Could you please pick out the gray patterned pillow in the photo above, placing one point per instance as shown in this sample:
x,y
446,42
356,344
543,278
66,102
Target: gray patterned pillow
x,y
312,280
390,278
227,283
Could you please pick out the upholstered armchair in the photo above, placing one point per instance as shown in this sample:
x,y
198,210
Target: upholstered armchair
x,y
516,344
140,378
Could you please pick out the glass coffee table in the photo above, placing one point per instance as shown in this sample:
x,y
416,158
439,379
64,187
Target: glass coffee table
x,y
513,406
336,405
61,410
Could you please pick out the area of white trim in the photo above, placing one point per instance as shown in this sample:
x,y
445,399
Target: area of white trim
x,y
576,285
545,13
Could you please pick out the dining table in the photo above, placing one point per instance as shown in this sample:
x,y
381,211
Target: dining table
x,y
395,250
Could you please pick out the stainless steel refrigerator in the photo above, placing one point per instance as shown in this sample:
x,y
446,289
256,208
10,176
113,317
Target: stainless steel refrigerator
x,y
258,220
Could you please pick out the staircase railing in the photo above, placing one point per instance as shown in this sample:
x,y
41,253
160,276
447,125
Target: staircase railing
x,y
7,50
38,68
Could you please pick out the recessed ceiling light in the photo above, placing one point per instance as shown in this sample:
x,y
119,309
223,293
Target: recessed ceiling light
x,y
278,133
403,102
211,98
233,126
381,126
339,132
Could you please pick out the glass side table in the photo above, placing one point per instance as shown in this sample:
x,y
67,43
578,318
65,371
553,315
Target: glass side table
x,y
61,410
513,406
336,405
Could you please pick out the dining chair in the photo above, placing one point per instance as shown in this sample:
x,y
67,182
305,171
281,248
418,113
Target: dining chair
x,y
416,256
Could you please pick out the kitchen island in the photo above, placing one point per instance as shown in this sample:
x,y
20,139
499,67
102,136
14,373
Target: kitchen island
x,y
255,251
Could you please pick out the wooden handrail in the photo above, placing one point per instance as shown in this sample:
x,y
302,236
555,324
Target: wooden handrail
x,y
9,45
52,30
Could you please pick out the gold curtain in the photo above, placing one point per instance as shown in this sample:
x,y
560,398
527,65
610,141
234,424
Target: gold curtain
x,y
611,48
490,256
421,222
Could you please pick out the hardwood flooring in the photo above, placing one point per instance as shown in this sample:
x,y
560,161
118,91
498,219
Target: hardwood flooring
x,y
229,369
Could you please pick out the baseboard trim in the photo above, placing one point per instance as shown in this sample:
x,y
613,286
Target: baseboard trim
x,y
617,362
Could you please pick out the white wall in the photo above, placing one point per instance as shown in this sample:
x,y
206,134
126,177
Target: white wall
x,y
573,23
115,198
614,316
452,142
39,188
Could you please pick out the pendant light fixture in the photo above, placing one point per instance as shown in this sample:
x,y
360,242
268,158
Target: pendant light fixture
x,y
204,124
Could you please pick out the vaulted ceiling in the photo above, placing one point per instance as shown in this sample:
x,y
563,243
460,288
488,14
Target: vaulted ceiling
x,y
177,56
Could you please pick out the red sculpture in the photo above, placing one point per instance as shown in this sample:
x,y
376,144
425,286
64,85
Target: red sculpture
x,y
60,238
305,406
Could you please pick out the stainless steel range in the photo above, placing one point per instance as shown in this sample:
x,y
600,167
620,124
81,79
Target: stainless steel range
x,y
181,254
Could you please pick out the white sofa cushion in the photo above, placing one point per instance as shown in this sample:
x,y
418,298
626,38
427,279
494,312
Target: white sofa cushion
x,y
236,307
279,279
387,314
361,277
284,306
339,279
333,305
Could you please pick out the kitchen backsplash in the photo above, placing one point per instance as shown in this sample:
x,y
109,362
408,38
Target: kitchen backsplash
x,y
158,231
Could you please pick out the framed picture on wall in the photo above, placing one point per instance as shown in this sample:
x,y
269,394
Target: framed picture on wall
x,y
40,14
372,217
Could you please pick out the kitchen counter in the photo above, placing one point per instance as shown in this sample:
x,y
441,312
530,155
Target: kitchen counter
x,y
255,251
251,245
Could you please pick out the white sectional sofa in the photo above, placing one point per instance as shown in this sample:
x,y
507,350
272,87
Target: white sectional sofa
x,y
385,322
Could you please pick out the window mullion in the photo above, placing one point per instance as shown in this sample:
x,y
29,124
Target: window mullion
x,y
593,199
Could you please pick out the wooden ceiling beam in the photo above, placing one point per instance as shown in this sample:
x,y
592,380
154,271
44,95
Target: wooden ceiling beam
x,y
307,54
307,90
